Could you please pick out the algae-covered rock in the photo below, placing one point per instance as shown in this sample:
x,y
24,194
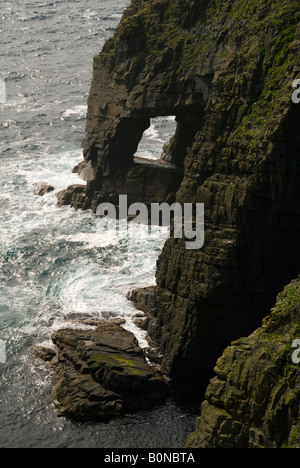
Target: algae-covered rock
x,y
254,399
102,373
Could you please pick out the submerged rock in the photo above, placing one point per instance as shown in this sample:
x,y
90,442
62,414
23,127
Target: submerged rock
x,y
102,373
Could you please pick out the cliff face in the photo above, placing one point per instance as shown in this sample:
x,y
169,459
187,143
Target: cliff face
x,y
254,400
225,70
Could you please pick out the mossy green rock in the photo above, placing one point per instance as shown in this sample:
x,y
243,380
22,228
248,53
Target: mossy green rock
x,y
254,400
102,374
129,376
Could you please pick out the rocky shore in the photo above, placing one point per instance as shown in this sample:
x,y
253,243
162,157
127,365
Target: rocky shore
x,y
225,70
101,373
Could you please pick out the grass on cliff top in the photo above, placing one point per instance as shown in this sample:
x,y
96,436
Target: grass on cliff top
x,y
256,40
153,27
282,325
266,53
200,23
286,313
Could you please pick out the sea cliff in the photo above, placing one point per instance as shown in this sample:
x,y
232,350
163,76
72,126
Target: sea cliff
x,y
225,70
254,399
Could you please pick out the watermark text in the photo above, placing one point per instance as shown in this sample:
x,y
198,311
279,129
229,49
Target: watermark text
x,y
296,354
188,219
296,93
2,352
2,92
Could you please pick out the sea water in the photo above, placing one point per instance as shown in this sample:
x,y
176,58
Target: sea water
x,y
58,264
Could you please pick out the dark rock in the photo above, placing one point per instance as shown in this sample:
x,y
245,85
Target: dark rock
x,y
254,399
235,149
141,322
102,373
44,353
143,181
95,322
74,195
78,397
42,189
85,170
226,74
144,299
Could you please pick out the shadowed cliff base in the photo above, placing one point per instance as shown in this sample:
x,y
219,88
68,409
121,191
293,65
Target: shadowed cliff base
x,y
254,399
225,70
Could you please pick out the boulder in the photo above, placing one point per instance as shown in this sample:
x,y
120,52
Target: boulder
x,y
72,196
42,189
102,373
44,353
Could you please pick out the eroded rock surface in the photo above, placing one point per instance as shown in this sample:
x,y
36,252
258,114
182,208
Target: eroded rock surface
x,y
254,399
225,70
101,374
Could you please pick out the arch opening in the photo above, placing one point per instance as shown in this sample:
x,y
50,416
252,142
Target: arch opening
x,y
168,138
156,138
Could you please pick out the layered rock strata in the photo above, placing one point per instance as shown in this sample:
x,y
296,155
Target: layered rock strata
x,y
225,70
254,399
101,374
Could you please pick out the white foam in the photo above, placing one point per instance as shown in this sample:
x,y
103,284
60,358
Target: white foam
x,y
152,133
92,240
88,284
139,334
154,138
80,111
58,172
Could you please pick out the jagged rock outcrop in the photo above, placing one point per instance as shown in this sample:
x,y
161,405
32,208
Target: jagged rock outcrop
x,y
225,70
101,373
254,400
42,188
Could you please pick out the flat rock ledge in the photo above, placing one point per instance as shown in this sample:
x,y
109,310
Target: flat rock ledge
x,y
101,374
